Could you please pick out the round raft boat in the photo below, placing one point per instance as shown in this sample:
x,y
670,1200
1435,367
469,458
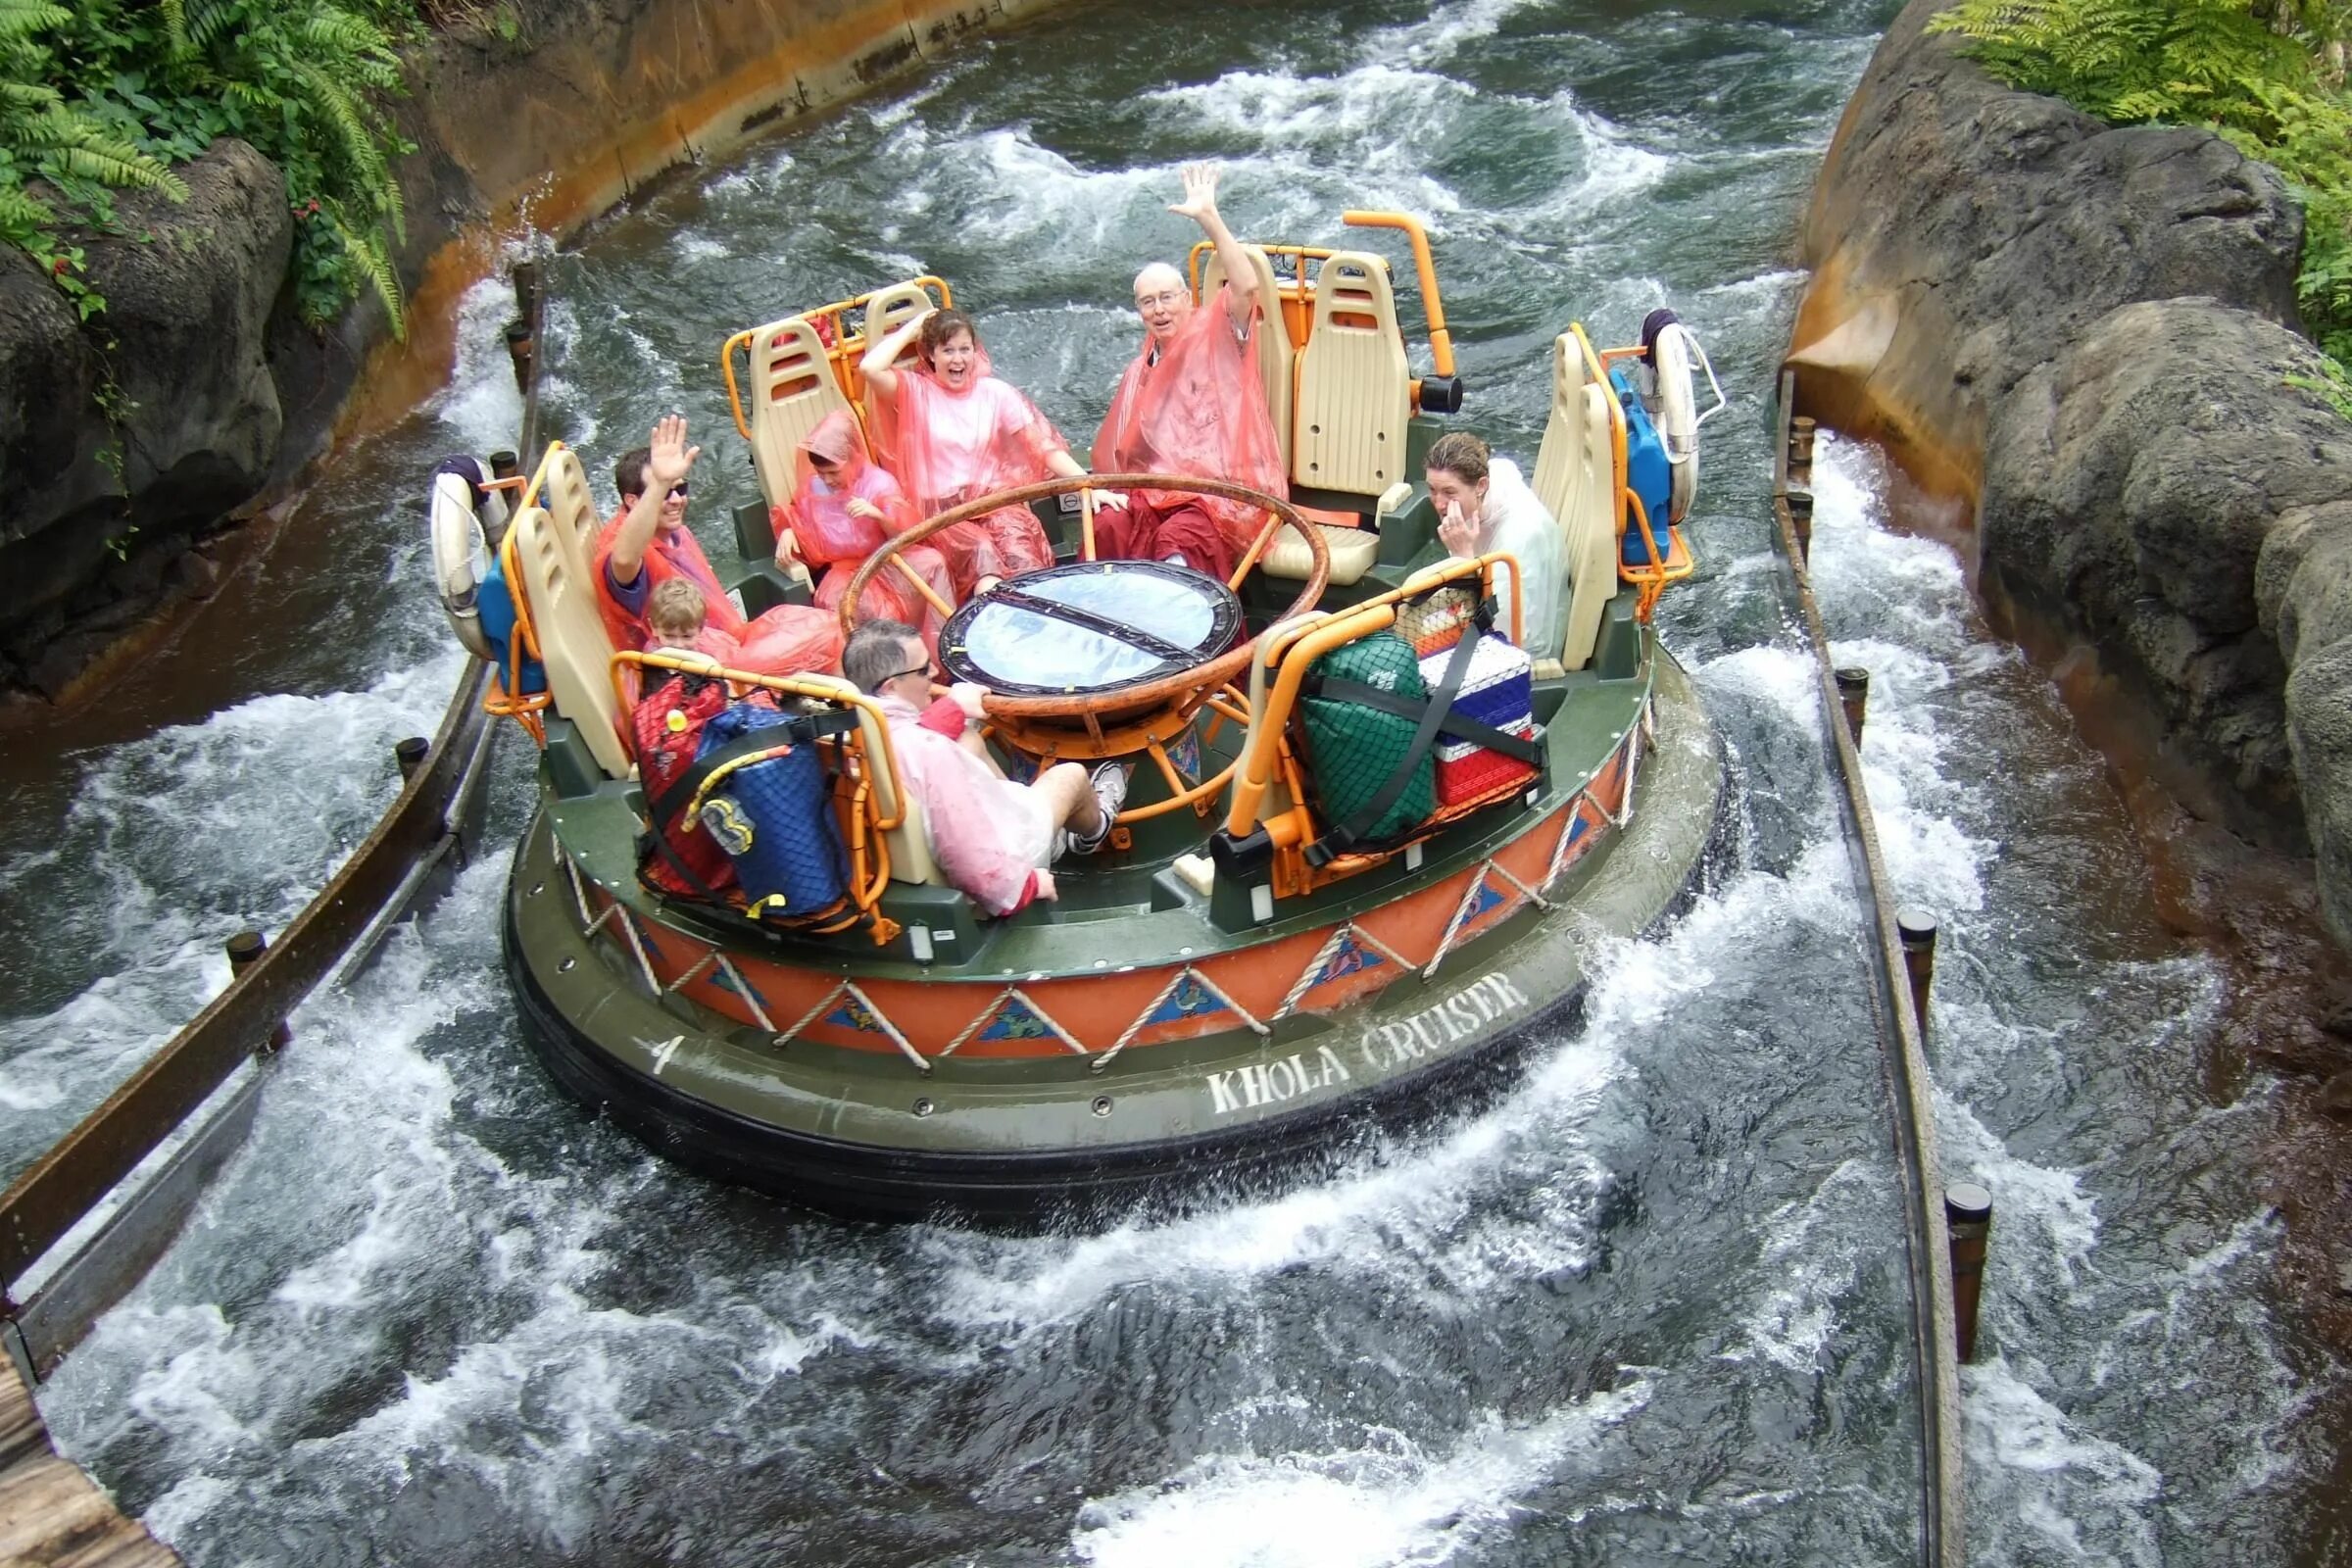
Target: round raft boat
x,y
1370,844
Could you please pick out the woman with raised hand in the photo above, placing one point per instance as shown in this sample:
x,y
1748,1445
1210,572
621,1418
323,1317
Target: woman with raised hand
x,y
951,431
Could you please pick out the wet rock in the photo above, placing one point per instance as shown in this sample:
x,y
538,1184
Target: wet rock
x,y
149,420
1961,233
2154,546
2087,331
2335,1097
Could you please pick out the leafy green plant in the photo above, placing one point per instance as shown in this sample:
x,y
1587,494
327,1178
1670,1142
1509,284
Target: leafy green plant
x,y
47,139
2268,74
2333,384
150,82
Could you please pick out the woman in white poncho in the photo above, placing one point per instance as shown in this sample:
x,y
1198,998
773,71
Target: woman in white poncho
x,y
1485,505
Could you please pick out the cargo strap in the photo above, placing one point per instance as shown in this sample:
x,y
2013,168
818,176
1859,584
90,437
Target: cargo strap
x,y
1432,713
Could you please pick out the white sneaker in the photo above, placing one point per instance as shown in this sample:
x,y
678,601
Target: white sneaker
x,y
1110,781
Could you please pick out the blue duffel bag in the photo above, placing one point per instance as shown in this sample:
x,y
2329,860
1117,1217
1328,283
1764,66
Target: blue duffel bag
x,y
766,797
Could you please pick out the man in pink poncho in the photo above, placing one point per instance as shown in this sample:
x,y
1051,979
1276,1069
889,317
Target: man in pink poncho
x,y
1192,404
842,507
992,838
951,432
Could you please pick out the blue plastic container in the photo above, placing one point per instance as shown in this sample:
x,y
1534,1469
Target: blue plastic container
x,y
1648,474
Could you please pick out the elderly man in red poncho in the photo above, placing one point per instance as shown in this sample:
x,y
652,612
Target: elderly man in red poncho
x,y
1192,404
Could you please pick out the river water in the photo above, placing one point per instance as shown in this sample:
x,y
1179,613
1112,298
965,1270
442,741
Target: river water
x,y
1651,1306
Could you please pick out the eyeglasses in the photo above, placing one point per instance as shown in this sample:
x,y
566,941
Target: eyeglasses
x,y
1167,296
680,490
923,669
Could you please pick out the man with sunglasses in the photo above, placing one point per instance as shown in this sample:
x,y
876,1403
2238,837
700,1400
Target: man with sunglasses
x,y
992,838
647,543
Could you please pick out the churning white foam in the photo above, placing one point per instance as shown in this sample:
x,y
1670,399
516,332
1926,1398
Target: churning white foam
x,y
1386,1499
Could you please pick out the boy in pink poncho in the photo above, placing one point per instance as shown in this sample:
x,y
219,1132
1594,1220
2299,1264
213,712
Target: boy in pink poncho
x,y
842,507
992,838
1192,403
953,432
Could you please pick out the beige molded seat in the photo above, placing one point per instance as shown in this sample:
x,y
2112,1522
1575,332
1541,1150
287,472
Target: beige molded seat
x,y
910,846
1275,355
1353,549
791,388
1576,478
573,644
563,491
1354,384
886,311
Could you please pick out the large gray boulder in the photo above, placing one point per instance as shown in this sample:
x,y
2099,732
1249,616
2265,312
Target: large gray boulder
x,y
2085,331
2131,486
1961,233
126,436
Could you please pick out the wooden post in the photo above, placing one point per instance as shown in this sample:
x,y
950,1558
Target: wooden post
x,y
1968,1214
1917,928
1801,445
526,276
245,949
1853,694
1801,523
410,755
519,349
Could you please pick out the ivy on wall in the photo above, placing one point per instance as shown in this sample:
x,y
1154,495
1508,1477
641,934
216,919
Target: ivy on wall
x,y
2267,75
107,95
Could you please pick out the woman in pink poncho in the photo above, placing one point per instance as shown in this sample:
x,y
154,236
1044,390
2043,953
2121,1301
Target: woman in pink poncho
x,y
842,507
953,432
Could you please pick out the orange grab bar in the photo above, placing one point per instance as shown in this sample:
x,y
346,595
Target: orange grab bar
x,y
1441,342
823,691
844,343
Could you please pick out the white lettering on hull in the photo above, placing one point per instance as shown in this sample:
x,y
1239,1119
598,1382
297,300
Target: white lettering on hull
x,y
1270,1083
1384,1047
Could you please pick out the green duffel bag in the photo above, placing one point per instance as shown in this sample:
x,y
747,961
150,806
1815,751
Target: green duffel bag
x,y
1356,753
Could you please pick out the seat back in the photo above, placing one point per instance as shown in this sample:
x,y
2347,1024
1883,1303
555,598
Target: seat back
x,y
573,644
1354,383
909,842
1276,358
563,491
1576,478
791,388
886,311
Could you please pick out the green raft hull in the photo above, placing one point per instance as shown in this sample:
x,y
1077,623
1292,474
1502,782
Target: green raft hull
x,y
865,1135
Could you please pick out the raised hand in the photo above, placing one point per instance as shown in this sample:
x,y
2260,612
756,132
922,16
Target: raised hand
x,y
1200,202
1457,533
670,456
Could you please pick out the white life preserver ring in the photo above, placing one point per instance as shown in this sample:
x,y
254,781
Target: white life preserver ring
x,y
1678,415
461,558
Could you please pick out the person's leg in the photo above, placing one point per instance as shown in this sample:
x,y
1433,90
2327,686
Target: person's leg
x,y
1017,542
1191,532
1083,801
1070,795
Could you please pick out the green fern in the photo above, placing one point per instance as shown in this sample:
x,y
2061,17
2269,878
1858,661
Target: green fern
x,y
20,19
2267,75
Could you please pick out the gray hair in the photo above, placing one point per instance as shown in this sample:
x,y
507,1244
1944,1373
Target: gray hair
x,y
877,650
